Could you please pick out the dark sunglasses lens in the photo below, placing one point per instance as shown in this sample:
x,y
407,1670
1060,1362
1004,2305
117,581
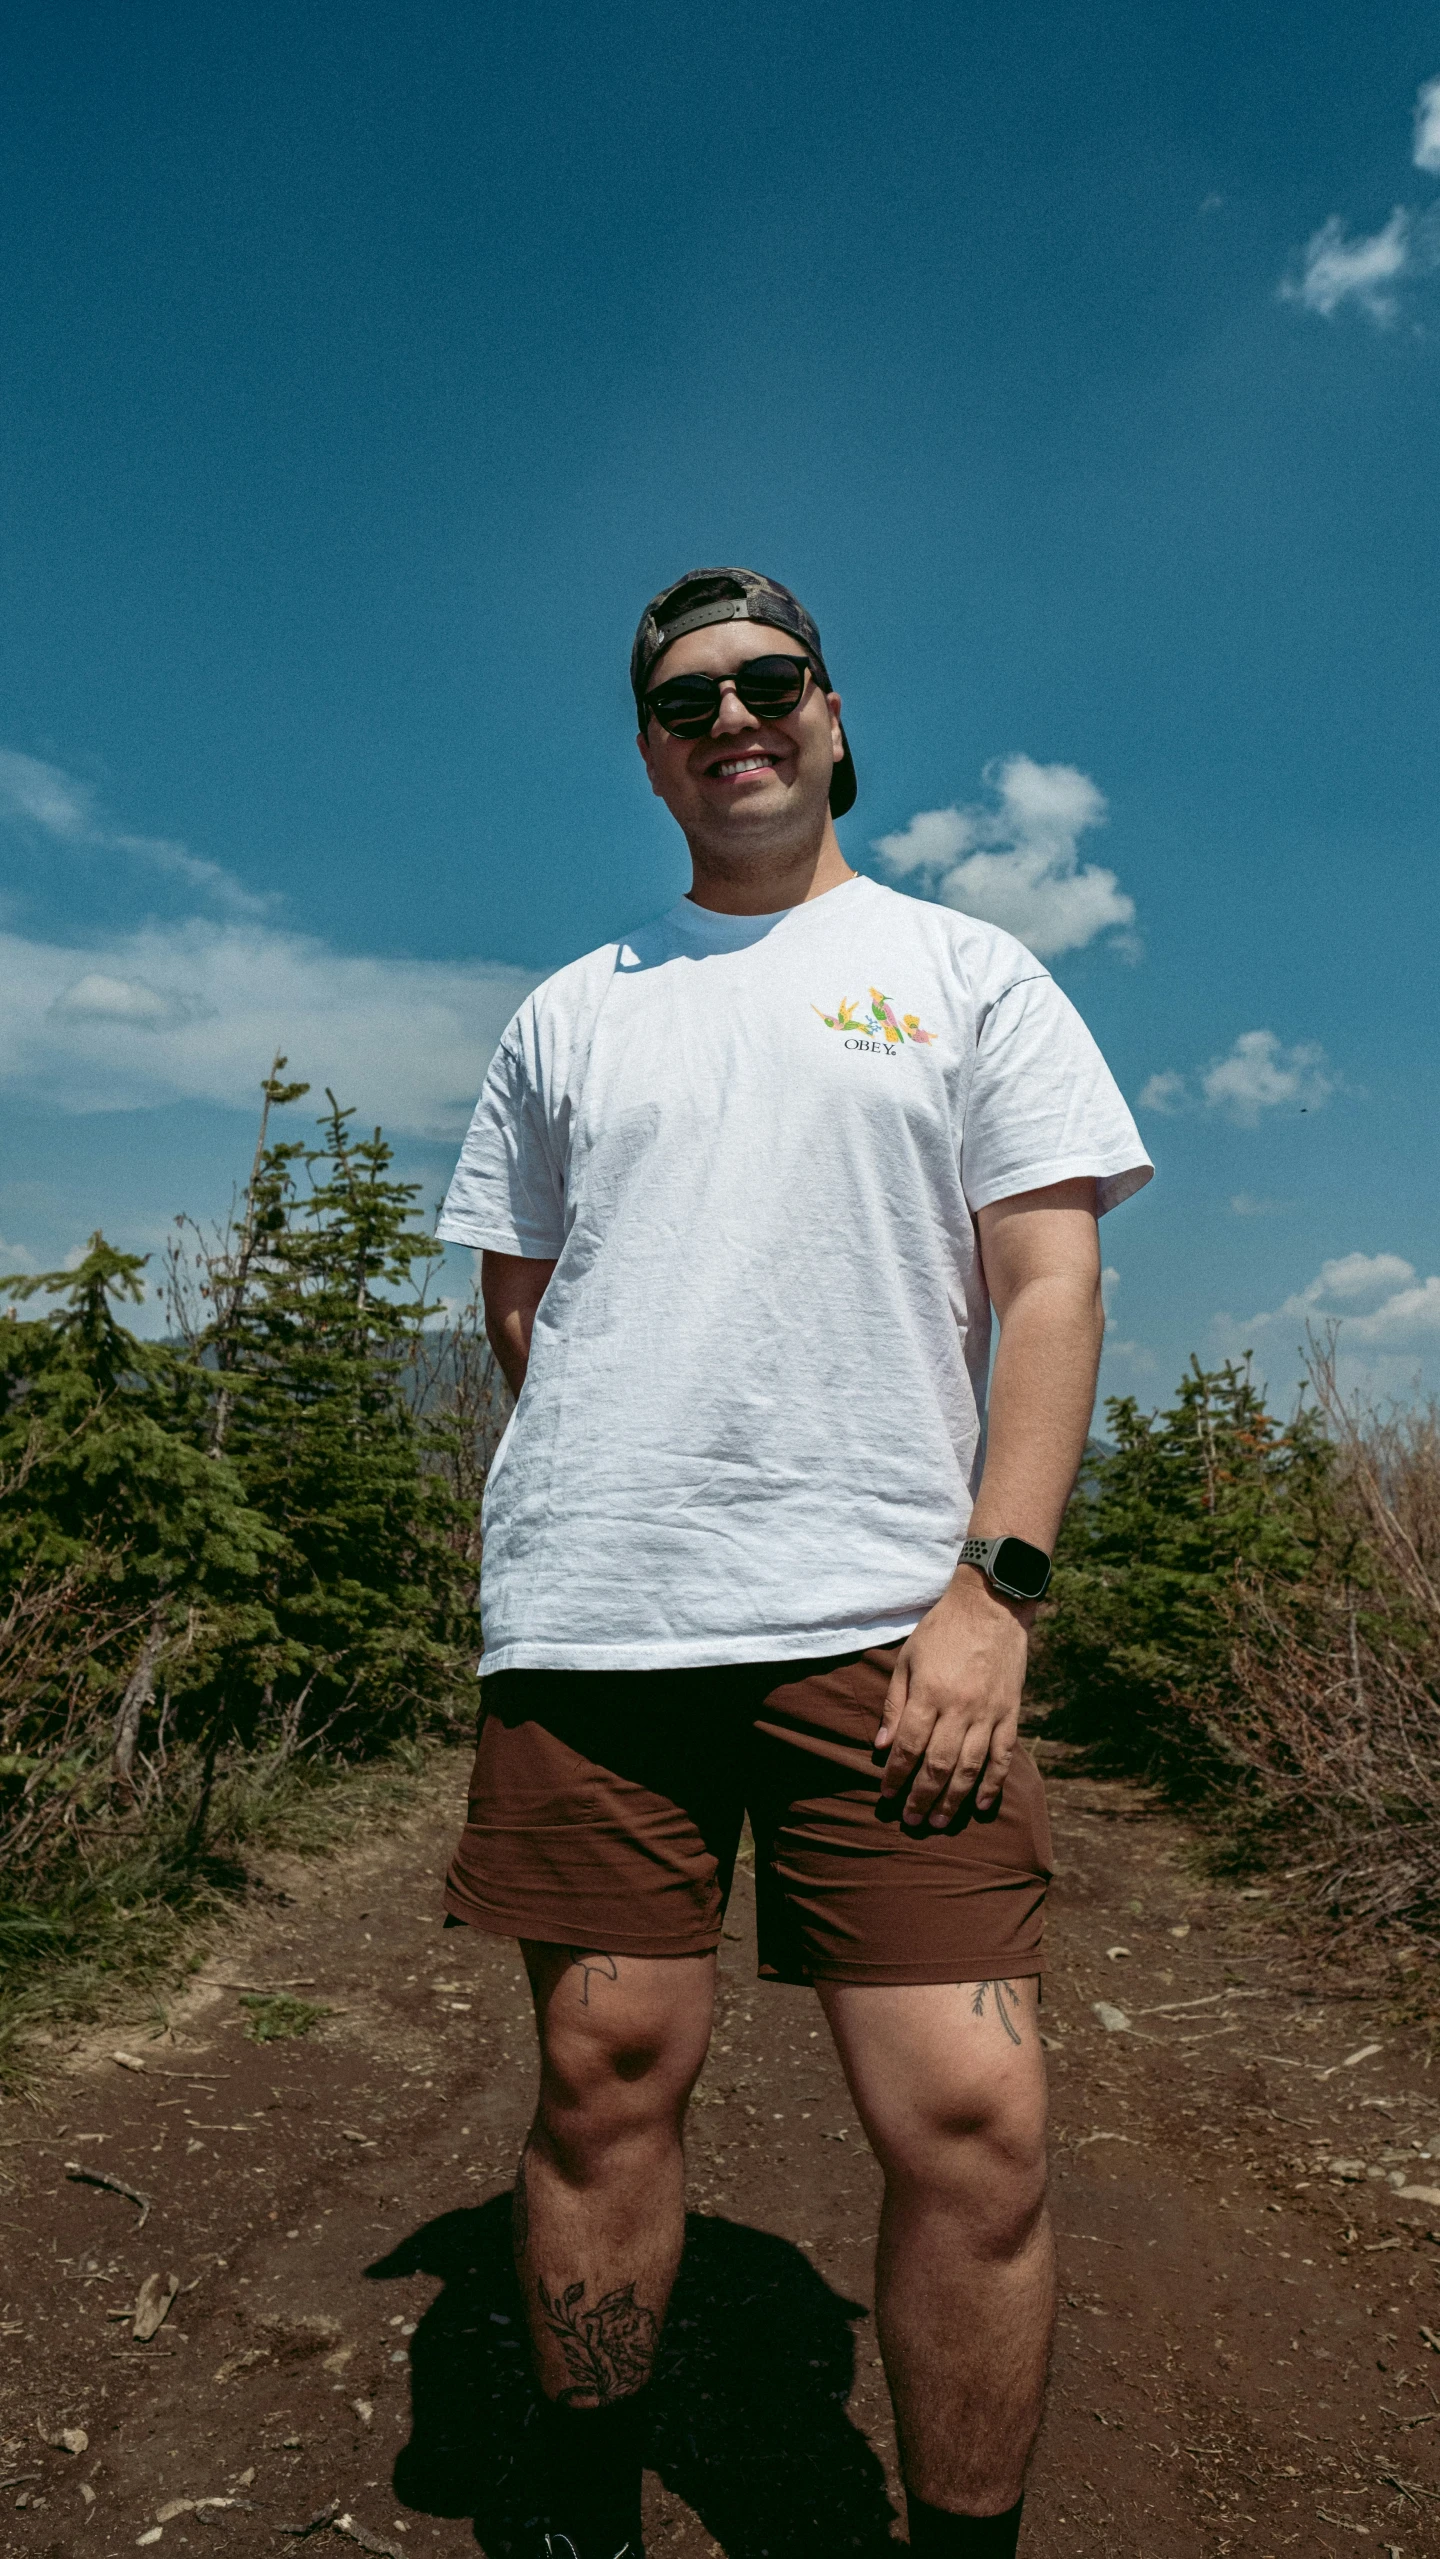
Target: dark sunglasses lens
x,y
771,686
687,705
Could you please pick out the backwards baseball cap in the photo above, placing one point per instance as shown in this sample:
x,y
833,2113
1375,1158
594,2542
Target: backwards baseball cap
x,y
732,595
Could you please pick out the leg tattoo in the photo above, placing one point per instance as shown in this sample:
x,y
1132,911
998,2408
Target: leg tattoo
x,y
588,1962
609,2350
1003,1990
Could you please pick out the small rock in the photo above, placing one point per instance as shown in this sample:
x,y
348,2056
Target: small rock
x,y
1183,1929
87,2493
1350,2170
127,2061
154,2534
177,2506
1114,2020
1419,2194
69,2439
1115,1953
364,2410
152,2302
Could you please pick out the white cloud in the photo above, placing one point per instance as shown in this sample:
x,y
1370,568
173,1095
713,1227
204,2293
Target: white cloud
x,y
194,1008
195,1011
1131,1355
1245,1204
1259,1074
1334,269
1364,272
96,998
1166,1093
1016,864
41,796
1386,1319
1354,1277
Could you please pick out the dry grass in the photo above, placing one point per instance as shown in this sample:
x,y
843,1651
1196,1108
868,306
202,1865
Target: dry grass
x,y
1334,1711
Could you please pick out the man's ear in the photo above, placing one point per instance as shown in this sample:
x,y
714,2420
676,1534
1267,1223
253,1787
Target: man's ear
x,y
649,767
837,741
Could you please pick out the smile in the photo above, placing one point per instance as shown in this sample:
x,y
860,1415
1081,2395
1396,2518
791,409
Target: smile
x,y
735,764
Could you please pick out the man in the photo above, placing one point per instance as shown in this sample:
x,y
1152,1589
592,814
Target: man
x,y
747,1186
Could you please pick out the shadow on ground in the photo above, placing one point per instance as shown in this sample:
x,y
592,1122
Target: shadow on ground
x,y
750,2428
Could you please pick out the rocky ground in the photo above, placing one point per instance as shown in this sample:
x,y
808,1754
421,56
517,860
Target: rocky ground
x,y
1247,2189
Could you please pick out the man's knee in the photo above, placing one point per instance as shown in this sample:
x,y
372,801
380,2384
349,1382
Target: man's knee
x,y
622,2042
974,2152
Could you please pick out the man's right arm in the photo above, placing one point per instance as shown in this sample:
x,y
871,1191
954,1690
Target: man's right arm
x,y
511,1286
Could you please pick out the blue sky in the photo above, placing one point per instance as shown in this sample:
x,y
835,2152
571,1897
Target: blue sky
x,y
363,372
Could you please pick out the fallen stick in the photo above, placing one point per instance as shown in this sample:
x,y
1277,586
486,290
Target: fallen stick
x,y
317,2523
128,2061
302,1981
367,2540
113,2185
22,2479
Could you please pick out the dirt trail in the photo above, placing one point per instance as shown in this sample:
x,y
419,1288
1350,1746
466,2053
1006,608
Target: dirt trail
x,y
1249,2350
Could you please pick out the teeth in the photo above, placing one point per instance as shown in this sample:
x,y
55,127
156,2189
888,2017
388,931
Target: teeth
x,y
746,764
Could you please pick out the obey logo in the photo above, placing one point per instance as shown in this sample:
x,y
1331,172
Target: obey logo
x,y
882,1031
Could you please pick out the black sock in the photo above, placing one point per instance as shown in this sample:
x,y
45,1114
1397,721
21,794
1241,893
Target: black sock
x,y
591,2460
934,2534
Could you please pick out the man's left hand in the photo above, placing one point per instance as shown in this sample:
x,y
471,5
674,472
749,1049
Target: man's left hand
x,y
952,1714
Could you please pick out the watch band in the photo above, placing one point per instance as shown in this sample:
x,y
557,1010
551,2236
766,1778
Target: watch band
x,y
1032,1563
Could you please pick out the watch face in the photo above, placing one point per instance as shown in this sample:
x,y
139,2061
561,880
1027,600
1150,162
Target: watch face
x,y
1021,1570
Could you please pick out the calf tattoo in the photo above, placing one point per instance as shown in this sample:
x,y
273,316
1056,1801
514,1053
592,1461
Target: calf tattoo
x,y
1003,1990
609,2350
588,1962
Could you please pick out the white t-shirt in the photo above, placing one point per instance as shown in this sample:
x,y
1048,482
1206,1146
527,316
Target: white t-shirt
x,y
750,1428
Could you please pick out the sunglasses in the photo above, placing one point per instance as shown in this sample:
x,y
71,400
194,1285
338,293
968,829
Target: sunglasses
x,y
689,705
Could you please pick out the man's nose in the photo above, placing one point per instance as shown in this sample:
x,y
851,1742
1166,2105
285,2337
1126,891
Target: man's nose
x,y
732,714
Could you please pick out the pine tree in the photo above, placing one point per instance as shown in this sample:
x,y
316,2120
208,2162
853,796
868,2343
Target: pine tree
x,y
307,1359
103,1485
1138,1634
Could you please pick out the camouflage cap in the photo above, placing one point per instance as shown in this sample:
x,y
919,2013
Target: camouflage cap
x,y
703,596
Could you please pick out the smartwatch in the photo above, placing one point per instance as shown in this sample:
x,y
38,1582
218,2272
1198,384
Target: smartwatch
x,y
1009,1565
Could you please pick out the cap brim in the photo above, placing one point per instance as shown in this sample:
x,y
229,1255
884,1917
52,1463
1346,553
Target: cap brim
x,y
843,785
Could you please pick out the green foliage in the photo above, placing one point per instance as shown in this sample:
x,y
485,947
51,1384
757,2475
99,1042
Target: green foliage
x,y
250,1545
313,1319
276,2016
101,1462
1136,1648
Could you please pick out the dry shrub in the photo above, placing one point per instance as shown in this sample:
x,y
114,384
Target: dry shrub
x,y
1334,1710
61,1652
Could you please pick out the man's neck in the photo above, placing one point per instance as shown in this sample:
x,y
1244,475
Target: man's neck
x,y
761,884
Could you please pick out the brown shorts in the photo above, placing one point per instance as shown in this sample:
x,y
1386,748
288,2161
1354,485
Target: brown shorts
x,y
606,1810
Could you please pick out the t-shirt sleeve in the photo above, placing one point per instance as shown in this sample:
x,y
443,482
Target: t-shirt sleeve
x,y
1044,1106
508,1191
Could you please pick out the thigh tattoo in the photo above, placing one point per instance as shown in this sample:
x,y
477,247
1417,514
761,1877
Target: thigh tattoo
x,y
1004,1990
586,1961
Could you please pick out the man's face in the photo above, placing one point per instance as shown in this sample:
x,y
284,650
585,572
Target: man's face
x,y
749,779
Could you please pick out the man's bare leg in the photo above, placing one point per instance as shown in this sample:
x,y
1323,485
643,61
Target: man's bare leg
x,y
600,2197
599,2213
949,2082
